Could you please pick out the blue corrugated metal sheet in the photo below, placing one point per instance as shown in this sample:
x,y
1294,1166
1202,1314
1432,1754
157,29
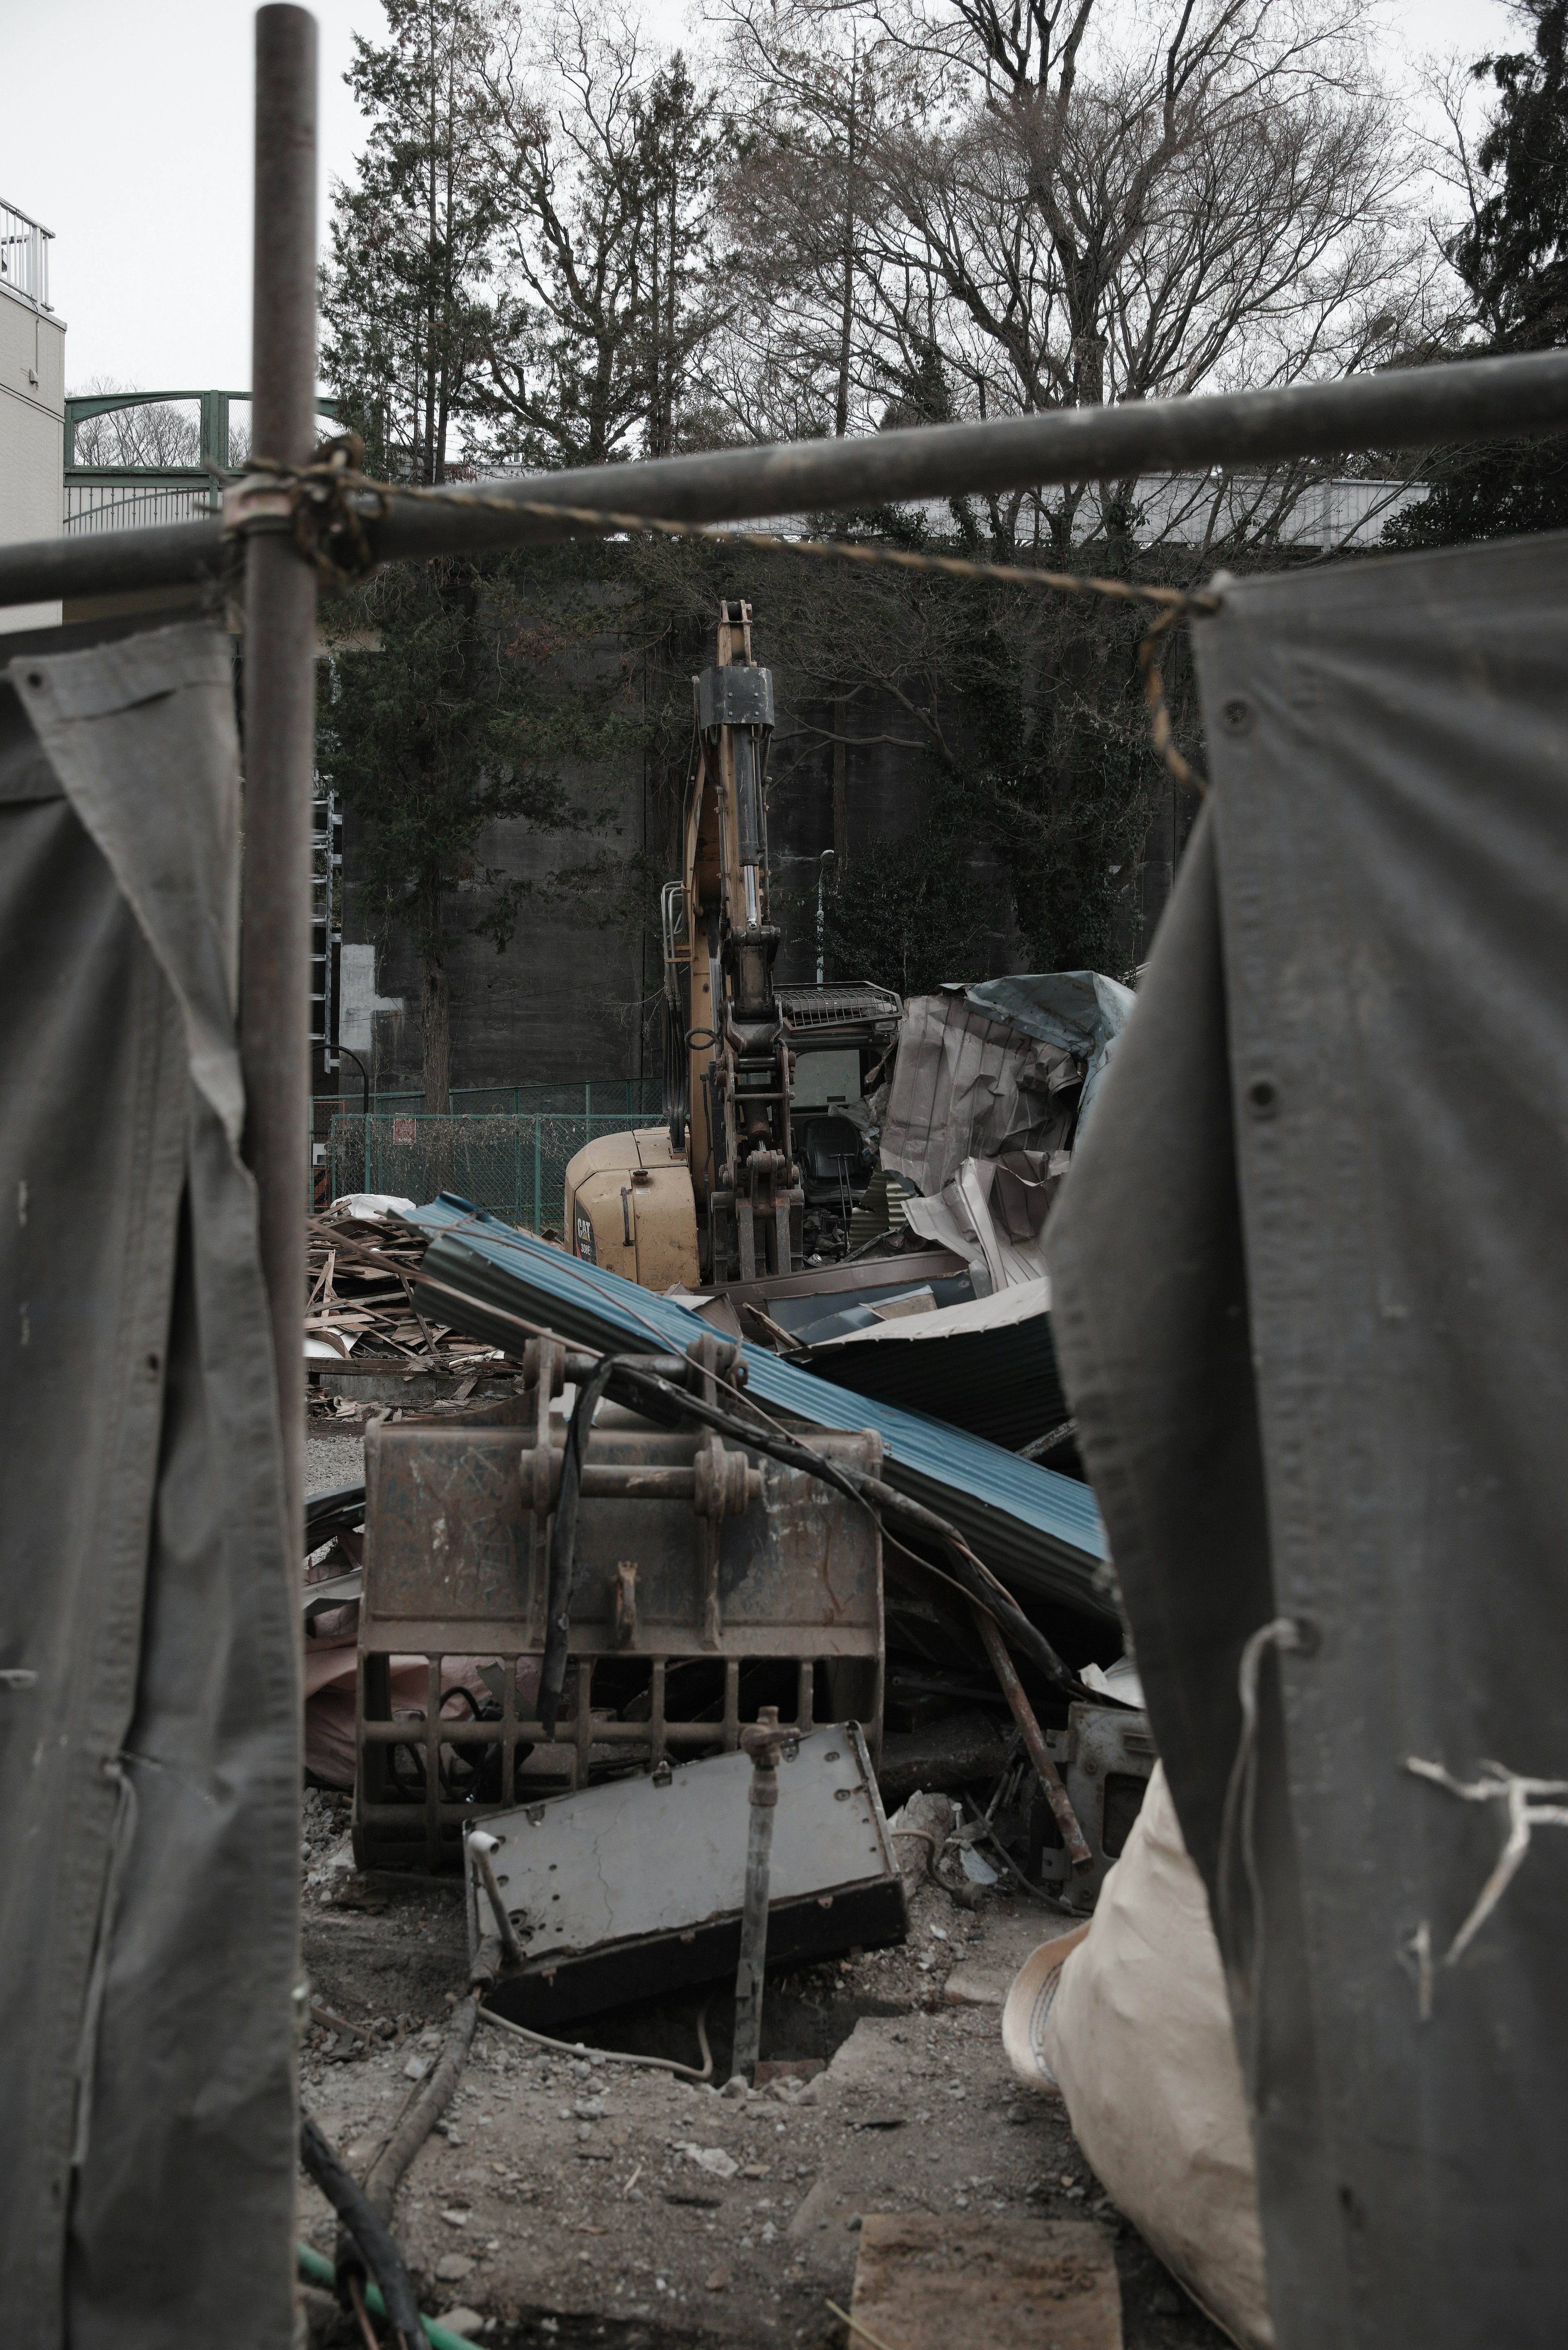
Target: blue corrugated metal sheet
x,y
1039,1530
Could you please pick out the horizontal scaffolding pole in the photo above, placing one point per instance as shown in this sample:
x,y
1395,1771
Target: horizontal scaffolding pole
x,y
1412,407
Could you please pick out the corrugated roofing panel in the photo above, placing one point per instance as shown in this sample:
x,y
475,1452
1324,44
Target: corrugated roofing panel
x,y
1041,1531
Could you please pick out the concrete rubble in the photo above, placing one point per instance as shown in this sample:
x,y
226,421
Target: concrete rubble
x,y
567,2201
562,2199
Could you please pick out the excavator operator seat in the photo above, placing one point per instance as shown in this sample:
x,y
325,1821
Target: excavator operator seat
x,y
833,1160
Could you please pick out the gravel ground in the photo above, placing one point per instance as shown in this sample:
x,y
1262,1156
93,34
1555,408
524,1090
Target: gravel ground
x,y
332,1460
569,2199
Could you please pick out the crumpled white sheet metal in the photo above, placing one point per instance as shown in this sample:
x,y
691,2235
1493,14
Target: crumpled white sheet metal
x,y
1083,1011
996,1067
967,1086
962,1218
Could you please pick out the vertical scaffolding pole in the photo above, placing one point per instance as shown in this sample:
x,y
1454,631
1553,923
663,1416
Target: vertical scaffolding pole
x,y
280,708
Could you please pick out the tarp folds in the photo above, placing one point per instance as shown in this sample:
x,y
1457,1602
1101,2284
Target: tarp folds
x,y
987,1070
149,1719
1310,1282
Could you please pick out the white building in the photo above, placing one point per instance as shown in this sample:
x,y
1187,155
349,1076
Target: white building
x,y
31,399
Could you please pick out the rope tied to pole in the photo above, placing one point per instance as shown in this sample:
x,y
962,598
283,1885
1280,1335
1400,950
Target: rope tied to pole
x,y
315,503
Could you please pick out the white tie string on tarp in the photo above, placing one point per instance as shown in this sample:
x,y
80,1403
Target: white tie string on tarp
x,y
1499,1785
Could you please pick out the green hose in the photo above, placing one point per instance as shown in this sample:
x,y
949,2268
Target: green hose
x,y
316,2269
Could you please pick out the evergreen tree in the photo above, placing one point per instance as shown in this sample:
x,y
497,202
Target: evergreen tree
x,y
477,688
403,312
1513,259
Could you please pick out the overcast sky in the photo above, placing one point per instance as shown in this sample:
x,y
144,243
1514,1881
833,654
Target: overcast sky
x,y
139,127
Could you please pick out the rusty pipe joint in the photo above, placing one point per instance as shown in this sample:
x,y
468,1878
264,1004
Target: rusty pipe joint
x,y
765,1742
724,1483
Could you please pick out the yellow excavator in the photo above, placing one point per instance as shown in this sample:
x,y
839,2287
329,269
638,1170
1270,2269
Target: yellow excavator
x,y
766,1144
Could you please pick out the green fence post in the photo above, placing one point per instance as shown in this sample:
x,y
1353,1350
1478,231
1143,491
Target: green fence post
x,y
538,1175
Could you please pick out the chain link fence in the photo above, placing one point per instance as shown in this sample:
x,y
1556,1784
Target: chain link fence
x,y
631,1099
514,1165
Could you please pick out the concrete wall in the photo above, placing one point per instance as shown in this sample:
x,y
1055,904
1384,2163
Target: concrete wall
x,y
568,1000
32,424
562,1002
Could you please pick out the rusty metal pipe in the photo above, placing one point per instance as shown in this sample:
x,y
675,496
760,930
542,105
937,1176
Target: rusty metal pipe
x,y
481,1844
764,1742
280,712
1405,407
608,1480
1066,1818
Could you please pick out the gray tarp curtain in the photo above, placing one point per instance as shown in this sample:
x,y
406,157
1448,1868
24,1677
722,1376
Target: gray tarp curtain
x,y
1311,1304
149,1723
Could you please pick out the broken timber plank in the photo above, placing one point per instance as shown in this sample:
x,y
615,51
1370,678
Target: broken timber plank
x,y
924,2283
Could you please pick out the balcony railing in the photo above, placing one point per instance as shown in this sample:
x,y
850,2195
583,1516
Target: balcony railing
x,y
153,456
131,502
24,257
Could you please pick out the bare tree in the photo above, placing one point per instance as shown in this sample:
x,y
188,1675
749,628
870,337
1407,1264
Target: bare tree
x,y
159,432
602,158
1061,205
1051,203
794,203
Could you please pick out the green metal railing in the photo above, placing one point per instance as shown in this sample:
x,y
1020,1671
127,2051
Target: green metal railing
x,y
514,1165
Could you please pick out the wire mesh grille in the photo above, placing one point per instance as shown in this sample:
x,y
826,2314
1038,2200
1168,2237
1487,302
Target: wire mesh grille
x,y
836,1007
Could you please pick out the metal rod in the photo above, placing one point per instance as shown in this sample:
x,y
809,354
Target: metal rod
x,y
1408,408
821,862
764,1742
1056,1794
480,1846
280,710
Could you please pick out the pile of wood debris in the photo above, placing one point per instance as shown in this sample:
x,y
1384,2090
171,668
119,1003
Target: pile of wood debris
x,y
359,1303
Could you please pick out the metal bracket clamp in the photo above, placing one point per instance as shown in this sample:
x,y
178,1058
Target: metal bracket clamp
x,y
545,1354
544,1361
257,502
723,1485
714,1358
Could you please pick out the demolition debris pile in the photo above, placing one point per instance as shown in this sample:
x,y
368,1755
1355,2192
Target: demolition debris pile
x,y
360,1314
